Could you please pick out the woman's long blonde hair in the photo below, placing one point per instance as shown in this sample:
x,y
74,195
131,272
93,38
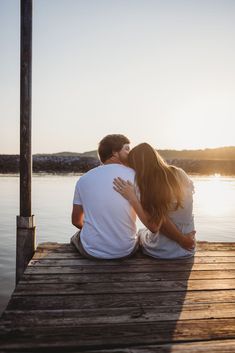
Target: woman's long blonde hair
x,y
158,182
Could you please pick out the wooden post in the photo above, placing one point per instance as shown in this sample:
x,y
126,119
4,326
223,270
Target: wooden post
x,y
25,243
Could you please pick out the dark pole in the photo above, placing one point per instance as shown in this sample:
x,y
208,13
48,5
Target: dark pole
x,y
25,222
25,108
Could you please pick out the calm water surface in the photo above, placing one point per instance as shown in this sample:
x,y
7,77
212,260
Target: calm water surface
x,y
214,210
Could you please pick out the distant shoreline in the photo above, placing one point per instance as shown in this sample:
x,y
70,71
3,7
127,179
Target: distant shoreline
x,y
71,174
220,153
52,164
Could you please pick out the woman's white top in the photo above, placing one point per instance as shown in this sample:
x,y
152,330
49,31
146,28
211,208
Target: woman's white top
x,y
160,246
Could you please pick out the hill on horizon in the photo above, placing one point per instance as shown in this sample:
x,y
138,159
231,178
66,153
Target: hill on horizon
x,y
224,153
70,154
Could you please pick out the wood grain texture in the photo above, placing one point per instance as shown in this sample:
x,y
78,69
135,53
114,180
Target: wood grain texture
x,y
67,303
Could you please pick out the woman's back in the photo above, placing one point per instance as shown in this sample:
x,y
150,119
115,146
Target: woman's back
x,y
184,214
160,246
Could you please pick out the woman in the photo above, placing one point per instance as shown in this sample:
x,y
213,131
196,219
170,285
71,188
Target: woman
x,y
162,194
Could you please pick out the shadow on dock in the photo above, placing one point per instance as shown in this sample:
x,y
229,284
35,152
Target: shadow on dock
x,y
65,303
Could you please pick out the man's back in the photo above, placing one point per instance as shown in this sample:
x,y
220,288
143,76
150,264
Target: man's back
x,y
109,229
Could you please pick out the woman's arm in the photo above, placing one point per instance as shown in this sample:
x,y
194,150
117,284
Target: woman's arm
x,y
186,241
126,189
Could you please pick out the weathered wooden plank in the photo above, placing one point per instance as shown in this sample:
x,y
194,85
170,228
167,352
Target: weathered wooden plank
x,y
25,288
124,277
108,335
215,346
55,246
87,262
201,245
119,300
51,255
226,246
131,261
117,315
128,269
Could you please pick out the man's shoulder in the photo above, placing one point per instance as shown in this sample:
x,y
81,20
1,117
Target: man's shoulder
x,y
90,172
119,168
107,171
128,170
104,168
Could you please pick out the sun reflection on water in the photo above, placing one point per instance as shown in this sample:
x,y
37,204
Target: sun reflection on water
x,y
215,195
214,207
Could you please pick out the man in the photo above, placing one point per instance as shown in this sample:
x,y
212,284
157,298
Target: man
x,y
106,219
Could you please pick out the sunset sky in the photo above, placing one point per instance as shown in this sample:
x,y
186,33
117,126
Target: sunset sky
x,y
160,71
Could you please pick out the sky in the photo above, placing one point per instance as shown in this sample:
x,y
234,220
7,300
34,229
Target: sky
x,y
157,71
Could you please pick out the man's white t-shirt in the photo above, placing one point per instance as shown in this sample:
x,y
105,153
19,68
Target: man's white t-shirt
x,y
109,229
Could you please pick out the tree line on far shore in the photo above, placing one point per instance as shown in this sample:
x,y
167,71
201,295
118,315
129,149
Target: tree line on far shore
x,y
220,153
209,161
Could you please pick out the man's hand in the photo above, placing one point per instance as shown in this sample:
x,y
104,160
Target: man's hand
x,y
188,241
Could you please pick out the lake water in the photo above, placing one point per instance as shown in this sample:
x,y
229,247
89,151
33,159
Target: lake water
x,y
214,211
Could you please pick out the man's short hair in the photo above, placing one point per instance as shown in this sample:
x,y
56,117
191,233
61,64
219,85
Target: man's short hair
x,y
110,144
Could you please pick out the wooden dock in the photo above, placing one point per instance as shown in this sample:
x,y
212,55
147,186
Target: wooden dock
x,y
65,303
